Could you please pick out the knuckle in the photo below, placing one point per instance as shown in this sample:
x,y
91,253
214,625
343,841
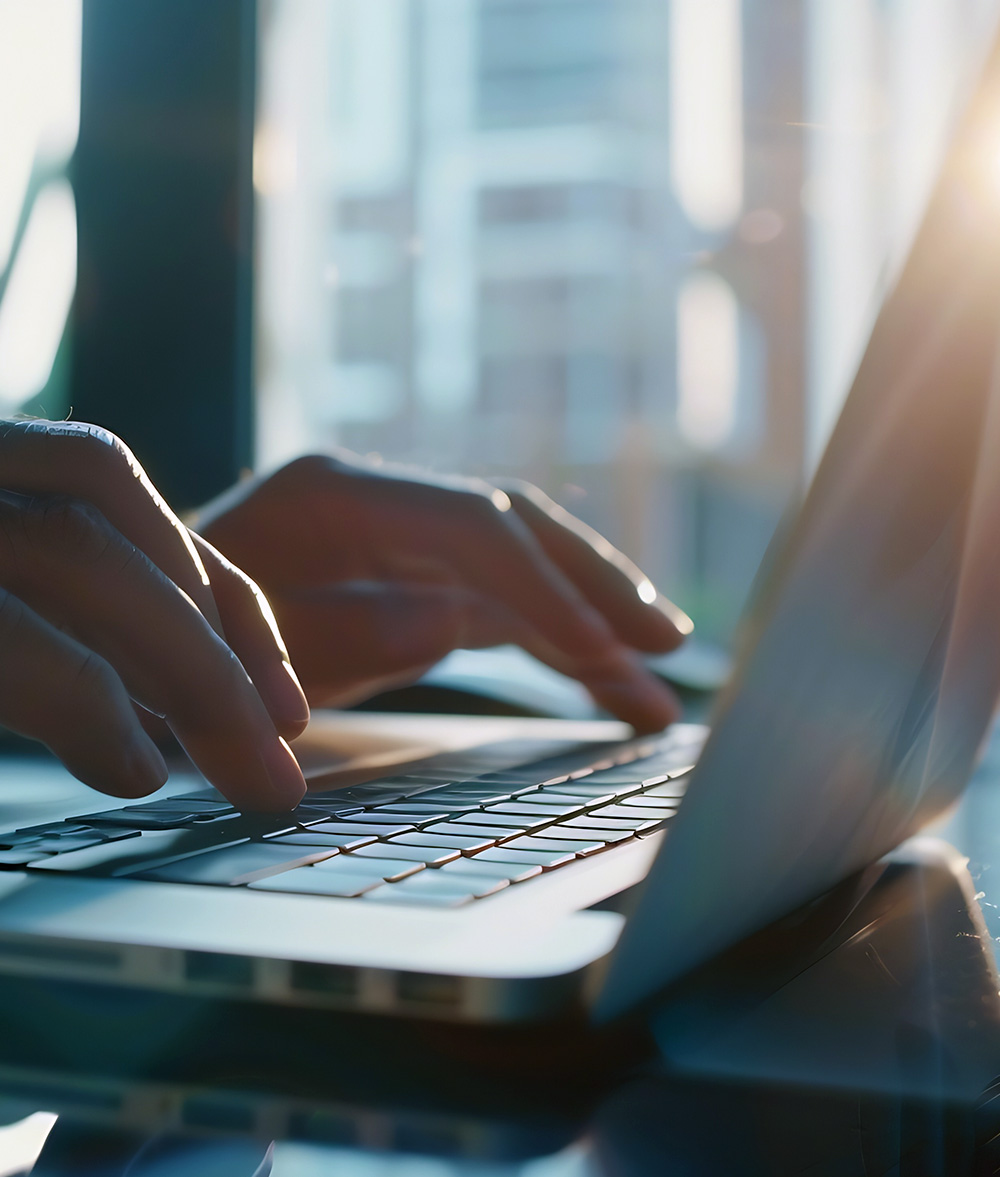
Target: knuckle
x,y
94,678
308,470
113,461
230,666
522,493
72,526
479,506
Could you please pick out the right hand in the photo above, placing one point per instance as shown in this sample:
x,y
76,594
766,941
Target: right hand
x,y
106,601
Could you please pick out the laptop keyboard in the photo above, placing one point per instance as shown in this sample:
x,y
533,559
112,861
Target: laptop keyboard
x,y
419,839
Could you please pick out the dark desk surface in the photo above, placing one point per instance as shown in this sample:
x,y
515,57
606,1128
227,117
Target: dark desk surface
x,y
870,1050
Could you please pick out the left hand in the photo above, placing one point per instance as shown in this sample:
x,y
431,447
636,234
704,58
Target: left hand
x,y
374,575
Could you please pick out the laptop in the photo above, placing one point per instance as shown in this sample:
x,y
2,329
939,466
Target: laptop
x,y
481,886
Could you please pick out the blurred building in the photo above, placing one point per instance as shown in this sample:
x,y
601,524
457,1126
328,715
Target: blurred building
x,y
545,251
629,249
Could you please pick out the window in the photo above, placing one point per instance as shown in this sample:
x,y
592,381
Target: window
x,y
625,248
39,121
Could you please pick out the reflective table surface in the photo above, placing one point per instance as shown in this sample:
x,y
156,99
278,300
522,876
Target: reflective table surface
x,y
861,1036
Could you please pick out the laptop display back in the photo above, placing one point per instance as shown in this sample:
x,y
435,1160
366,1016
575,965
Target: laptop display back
x,y
871,661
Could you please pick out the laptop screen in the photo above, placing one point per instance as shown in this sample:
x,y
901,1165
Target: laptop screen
x,y
871,661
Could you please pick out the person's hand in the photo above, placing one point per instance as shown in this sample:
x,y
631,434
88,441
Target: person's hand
x,y
107,601
374,575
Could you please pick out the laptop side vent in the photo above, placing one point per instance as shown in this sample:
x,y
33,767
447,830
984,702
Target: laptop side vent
x,y
219,968
429,990
89,956
333,980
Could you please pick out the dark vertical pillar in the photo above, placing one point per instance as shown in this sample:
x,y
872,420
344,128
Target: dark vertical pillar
x,y
163,175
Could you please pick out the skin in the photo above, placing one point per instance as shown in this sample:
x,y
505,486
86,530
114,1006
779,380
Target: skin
x,y
106,601
375,573
114,613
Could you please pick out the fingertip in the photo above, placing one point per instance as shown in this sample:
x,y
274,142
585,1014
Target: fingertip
x,y
139,770
631,693
284,698
287,784
678,619
667,624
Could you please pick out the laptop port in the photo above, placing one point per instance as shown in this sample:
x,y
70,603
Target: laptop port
x,y
219,968
92,958
429,989
325,1127
332,979
429,1138
218,1114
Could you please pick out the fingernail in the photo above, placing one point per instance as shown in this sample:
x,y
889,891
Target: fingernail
x,y
284,697
677,617
649,595
145,768
637,697
284,774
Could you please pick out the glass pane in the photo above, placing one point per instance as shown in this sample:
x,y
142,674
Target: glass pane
x,y
39,121
628,249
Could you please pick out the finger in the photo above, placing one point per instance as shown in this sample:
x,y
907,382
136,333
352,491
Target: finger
x,y
640,616
86,462
55,690
362,637
352,640
619,683
476,536
252,633
65,560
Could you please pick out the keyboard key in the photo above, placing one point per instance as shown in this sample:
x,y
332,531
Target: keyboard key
x,y
518,808
357,828
50,827
126,854
418,813
494,821
598,789
462,798
546,859
469,830
571,833
389,869
378,817
649,813
9,841
138,821
650,799
544,797
428,890
23,856
33,834
514,872
554,844
659,804
466,845
307,812
169,805
394,849
68,842
589,822
674,789
236,865
307,880
368,794
338,841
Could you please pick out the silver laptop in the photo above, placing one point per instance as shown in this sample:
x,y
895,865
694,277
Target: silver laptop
x,y
477,886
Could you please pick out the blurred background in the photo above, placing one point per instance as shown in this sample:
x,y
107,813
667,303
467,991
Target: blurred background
x,y
628,249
